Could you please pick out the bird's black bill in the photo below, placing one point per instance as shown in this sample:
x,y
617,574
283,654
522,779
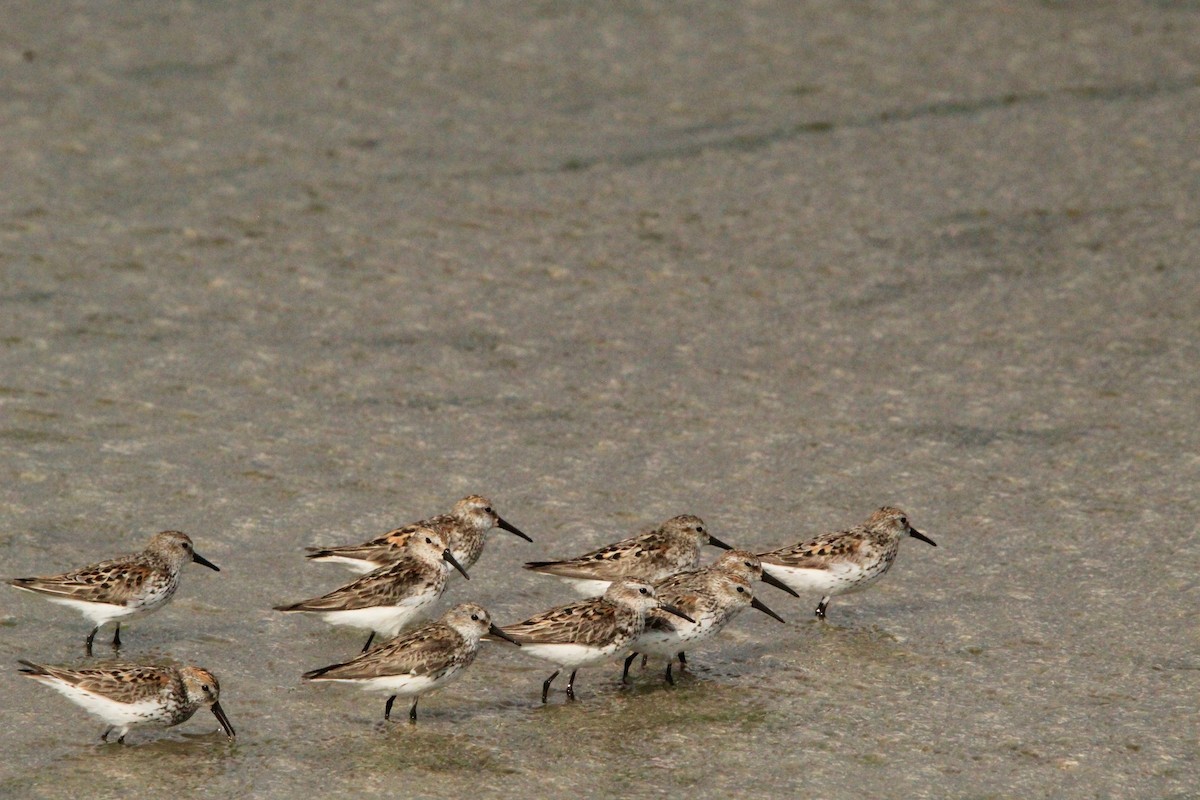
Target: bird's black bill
x,y
916,534
199,559
448,556
771,580
715,542
219,713
493,630
761,606
504,526
673,610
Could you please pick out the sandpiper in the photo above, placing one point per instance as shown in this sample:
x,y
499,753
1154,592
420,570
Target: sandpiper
x,y
385,600
129,695
712,596
843,561
651,556
465,529
588,631
122,588
419,661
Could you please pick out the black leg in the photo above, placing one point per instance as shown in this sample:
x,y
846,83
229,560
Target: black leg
x,y
91,638
682,660
625,673
670,678
546,685
571,685
412,712
387,709
822,606
107,731
370,639
645,658
117,637
121,740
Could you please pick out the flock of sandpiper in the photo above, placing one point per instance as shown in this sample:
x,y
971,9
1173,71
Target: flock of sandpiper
x,y
646,594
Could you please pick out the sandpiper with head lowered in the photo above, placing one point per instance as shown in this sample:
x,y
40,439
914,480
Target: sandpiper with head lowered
x,y
130,695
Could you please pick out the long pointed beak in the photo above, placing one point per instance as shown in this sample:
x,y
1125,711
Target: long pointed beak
x,y
761,606
493,630
504,526
916,534
199,559
673,610
448,556
219,713
715,542
771,580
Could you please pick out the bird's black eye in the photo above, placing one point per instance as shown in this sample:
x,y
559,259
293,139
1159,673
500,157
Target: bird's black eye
x,y
475,617
699,529
642,590
748,564
428,540
489,510
741,590
904,520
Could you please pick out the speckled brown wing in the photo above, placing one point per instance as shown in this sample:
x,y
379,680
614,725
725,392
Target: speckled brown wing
x,y
638,555
124,683
424,651
683,597
115,581
384,586
817,553
588,622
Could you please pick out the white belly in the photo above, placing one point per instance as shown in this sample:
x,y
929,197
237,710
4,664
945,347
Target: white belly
x,y
384,620
571,655
839,578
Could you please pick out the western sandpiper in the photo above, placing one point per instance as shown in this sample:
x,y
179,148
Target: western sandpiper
x,y
124,587
419,661
465,528
129,695
650,556
712,596
385,600
588,631
843,561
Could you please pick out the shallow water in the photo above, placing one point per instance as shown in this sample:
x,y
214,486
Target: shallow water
x,y
279,275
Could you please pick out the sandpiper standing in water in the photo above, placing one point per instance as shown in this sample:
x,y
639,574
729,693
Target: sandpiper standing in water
x,y
652,555
465,528
588,631
385,600
843,561
129,695
122,588
419,661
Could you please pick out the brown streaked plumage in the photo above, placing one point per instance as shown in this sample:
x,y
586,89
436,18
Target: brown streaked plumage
x,y
128,695
588,631
654,554
712,596
844,561
419,661
465,529
385,600
123,587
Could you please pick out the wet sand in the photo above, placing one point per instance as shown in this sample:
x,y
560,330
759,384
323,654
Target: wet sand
x,y
290,274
